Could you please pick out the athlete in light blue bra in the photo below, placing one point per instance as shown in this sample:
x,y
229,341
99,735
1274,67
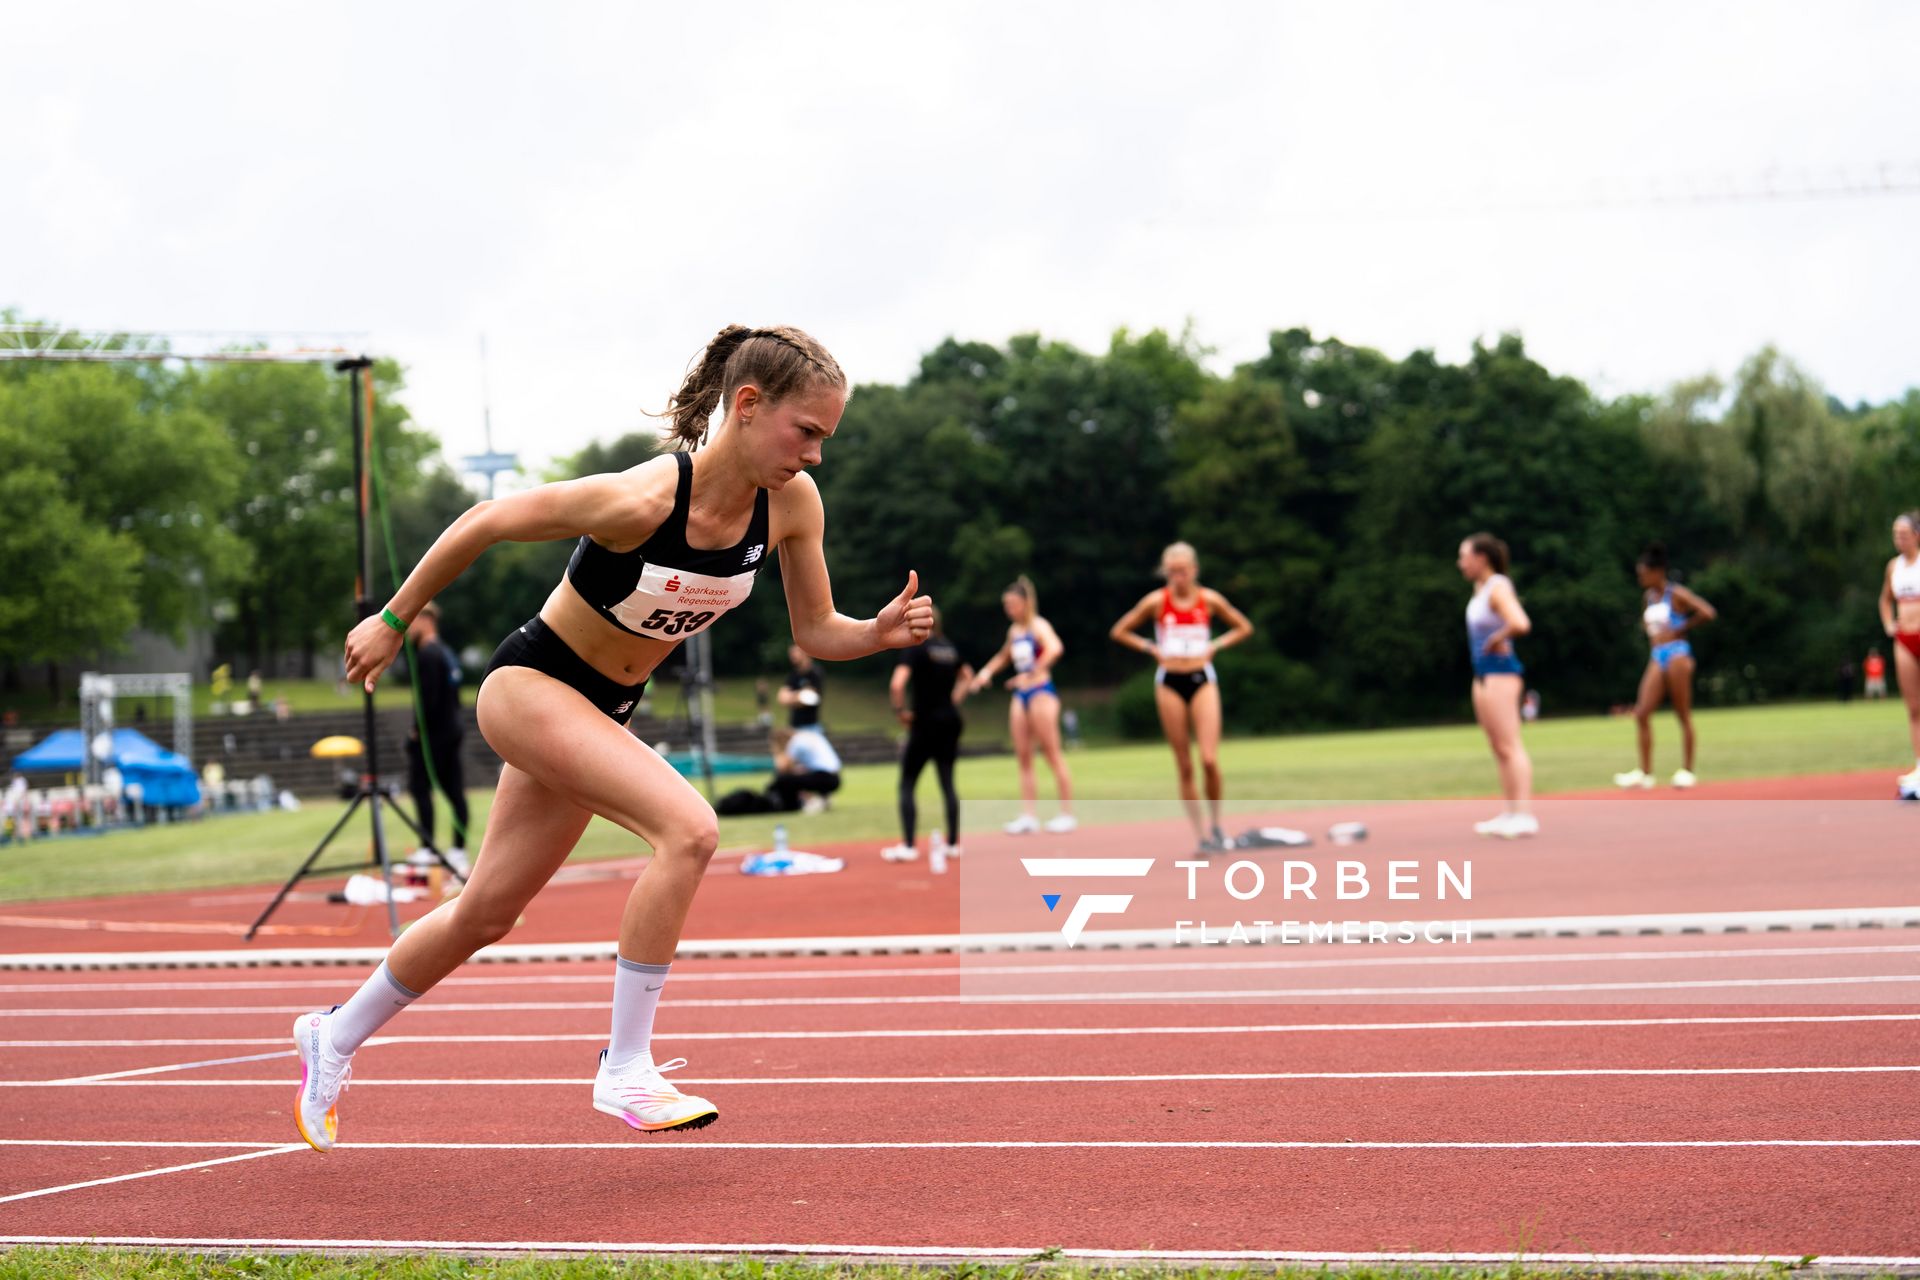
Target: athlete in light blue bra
x,y
1494,618
1668,612
1033,716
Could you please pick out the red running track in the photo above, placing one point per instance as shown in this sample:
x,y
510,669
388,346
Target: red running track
x,y
850,1122
1823,842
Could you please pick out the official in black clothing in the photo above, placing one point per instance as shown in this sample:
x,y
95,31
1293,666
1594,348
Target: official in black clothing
x,y
801,694
938,681
439,693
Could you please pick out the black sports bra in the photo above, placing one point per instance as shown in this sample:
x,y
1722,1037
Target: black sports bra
x,y
663,588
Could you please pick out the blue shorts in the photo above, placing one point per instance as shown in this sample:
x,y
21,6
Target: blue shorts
x,y
1028,695
1665,653
1496,664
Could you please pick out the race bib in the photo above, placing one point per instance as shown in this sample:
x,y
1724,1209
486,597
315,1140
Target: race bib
x,y
1185,640
672,604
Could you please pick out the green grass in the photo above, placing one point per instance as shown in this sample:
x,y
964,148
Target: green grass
x,y
1396,764
850,706
117,1264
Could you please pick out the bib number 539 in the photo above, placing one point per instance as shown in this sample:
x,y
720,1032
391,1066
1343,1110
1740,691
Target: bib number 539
x,y
672,622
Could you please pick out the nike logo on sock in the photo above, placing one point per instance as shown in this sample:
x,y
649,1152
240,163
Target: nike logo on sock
x,y
656,988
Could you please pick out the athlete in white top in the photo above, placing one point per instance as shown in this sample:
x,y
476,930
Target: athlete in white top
x,y
1900,618
1033,714
1668,612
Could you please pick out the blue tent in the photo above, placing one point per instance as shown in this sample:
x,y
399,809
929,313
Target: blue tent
x,y
165,777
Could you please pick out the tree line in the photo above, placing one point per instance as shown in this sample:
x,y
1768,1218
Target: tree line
x,y
1325,486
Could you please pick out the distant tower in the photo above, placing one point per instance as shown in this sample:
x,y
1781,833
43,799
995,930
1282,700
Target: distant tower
x,y
488,464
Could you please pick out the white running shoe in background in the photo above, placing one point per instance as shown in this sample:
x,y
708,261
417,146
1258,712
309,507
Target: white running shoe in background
x,y
1518,826
1683,778
323,1078
1025,824
642,1097
899,853
1061,823
1637,778
1491,826
1907,785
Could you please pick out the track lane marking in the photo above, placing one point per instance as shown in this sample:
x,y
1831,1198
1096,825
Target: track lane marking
x,y
1517,1073
931,1252
692,1144
329,980
100,1077
936,1033
152,1173
1052,997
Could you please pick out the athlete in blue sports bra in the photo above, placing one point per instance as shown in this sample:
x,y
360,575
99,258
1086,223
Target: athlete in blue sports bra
x,y
1668,612
663,550
1033,716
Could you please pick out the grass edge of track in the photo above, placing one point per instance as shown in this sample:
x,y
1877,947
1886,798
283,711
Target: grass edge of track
x,y
75,1262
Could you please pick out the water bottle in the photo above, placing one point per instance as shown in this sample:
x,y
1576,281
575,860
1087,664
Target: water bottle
x,y
780,838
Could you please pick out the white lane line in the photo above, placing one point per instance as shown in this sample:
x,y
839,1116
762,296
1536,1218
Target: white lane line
x,y
101,1076
932,1252
1516,1073
961,968
129,1142
943,1033
1521,927
152,1173
1019,997
689,1145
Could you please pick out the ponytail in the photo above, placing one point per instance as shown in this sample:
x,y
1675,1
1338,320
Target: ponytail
x,y
779,361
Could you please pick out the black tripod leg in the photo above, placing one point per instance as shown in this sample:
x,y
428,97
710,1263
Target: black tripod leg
x,y
312,858
393,803
386,865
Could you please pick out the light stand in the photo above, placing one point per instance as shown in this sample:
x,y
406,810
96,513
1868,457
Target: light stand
x,y
369,790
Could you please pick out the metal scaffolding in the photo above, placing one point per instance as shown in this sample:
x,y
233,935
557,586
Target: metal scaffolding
x,y
97,693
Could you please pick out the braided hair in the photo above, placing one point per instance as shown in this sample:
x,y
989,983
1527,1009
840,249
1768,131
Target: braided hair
x,y
779,361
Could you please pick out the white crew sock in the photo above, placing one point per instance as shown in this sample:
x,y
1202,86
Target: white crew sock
x,y
636,994
367,1010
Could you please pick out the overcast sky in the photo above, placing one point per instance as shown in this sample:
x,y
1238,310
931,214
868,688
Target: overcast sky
x,y
598,188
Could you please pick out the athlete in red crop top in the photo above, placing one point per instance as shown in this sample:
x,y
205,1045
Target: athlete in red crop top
x,y
663,550
1186,687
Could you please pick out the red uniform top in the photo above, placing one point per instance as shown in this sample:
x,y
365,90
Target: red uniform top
x,y
1876,667
1183,633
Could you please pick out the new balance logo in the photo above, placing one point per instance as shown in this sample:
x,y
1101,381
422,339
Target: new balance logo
x,y
624,707
1088,905
753,553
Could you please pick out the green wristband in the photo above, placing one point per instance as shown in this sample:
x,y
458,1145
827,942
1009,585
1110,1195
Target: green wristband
x,y
392,619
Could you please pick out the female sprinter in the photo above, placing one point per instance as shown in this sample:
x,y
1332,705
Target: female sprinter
x,y
1668,612
939,680
664,550
1494,618
1033,646
1186,690
1900,615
